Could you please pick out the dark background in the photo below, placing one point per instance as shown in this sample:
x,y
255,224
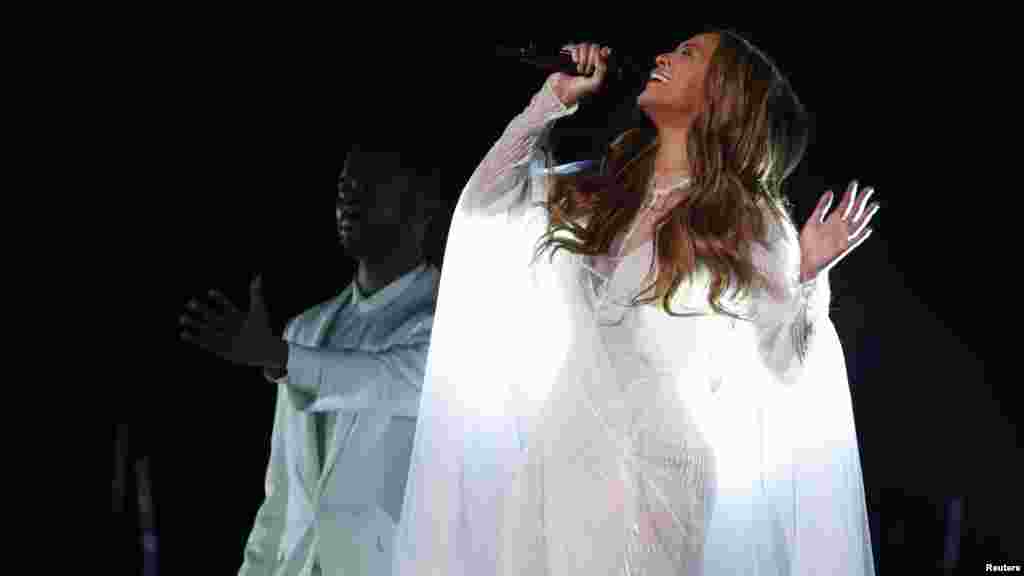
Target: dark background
x,y
228,140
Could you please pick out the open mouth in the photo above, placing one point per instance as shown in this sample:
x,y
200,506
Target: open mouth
x,y
658,76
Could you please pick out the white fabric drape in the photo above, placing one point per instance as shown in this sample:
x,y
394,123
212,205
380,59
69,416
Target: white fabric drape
x,y
564,433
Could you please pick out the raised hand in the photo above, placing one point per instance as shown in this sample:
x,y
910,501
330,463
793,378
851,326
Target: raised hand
x,y
592,61
827,238
219,327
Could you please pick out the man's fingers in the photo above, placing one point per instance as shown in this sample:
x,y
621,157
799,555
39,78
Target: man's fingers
x,y
223,302
201,311
217,327
202,342
207,340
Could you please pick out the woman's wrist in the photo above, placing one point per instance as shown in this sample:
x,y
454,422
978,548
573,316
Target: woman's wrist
x,y
807,275
562,93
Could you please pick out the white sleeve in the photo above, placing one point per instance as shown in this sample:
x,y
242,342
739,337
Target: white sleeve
x,y
502,179
467,439
357,379
816,481
818,489
787,313
351,379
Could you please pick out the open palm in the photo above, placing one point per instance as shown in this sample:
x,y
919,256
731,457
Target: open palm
x,y
221,328
827,238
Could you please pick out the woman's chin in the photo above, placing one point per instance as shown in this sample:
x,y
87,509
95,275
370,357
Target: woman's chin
x,y
646,100
656,106
647,97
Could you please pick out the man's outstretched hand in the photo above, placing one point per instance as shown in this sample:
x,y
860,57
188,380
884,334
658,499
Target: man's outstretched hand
x,y
218,326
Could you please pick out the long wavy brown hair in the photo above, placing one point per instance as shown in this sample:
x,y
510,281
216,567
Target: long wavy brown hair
x,y
749,136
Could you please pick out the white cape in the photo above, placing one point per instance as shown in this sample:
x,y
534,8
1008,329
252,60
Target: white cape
x,y
548,443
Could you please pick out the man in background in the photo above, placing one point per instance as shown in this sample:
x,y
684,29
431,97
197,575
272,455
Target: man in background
x,y
348,374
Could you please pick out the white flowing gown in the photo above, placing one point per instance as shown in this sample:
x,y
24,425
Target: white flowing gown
x,y
562,432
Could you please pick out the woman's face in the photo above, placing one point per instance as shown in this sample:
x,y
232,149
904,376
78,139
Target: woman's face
x,y
675,91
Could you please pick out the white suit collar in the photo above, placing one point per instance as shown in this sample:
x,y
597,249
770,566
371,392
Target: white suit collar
x,y
385,295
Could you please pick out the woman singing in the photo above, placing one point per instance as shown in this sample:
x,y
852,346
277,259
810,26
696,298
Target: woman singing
x,y
634,371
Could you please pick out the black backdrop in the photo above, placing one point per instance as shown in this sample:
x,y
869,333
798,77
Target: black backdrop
x,y
228,144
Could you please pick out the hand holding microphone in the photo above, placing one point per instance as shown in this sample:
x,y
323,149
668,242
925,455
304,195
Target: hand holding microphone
x,y
601,67
591,63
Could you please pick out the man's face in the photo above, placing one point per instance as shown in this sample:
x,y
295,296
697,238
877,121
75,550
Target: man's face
x,y
375,204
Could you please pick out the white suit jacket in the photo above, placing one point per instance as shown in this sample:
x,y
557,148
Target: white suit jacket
x,y
373,378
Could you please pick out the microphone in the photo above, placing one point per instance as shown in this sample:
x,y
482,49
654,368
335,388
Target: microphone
x,y
621,68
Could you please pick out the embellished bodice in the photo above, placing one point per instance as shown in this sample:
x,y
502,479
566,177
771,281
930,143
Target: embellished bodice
x,y
633,408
